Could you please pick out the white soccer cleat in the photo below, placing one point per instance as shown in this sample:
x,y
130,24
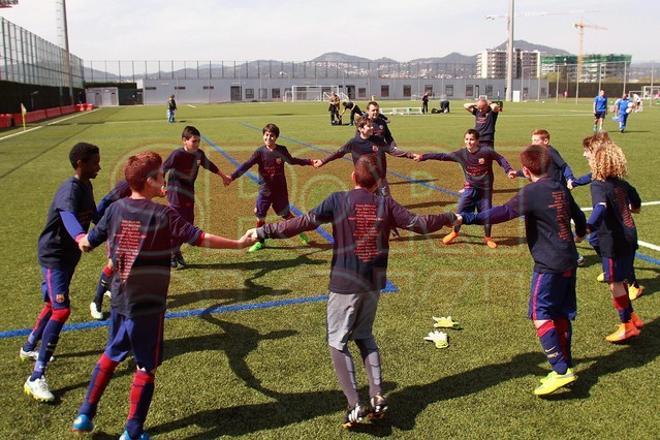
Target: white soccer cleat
x,y
38,389
107,293
95,312
31,355
438,338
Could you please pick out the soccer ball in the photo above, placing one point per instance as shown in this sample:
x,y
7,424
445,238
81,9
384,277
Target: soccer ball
x,y
629,109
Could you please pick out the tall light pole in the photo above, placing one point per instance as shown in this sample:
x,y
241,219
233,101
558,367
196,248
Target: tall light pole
x,y
509,54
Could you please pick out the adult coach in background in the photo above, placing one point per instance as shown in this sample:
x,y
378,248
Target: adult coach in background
x,y
171,109
600,110
485,117
425,103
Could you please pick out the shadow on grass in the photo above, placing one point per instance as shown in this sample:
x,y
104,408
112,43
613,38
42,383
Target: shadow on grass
x,y
637,353
410,182
505,191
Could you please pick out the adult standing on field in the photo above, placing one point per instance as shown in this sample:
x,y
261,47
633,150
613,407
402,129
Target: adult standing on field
x,y
485,117
425,103
171,109
600,110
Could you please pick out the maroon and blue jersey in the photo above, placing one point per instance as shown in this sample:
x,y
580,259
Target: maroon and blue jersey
x,y
477,167
272,179
484,123
558,169
361,225
358,147
121,189
616,231
548,208
382,131
141,235
57,248
183,167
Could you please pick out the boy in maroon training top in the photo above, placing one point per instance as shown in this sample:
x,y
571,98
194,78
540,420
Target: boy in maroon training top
x,y
140,234
270,158
361,222
181,168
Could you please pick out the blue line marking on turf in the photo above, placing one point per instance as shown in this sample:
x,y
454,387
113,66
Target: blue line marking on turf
x,y
415,181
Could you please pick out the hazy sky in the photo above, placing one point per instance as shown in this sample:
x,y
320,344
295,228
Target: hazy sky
x,y
301,30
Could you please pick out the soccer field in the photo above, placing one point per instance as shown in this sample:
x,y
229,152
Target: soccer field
x,y
245,353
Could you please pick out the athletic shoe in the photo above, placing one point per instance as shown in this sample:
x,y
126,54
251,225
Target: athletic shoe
x,y
355,415
38,389
580,260
636,320
601,278
635,292
553,381
31,355
449,238
395,233
95,311
378,407
143,436
623,332
304,239
180,261
490,243
257,246
82,423
107,293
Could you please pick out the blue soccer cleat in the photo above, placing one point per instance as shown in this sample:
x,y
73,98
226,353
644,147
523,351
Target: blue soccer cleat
x,y
143,436
82,423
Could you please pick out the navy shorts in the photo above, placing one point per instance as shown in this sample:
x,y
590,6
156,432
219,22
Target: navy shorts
x,y
619,269
599,115
475,198
280,203
140,335
552,296
55,286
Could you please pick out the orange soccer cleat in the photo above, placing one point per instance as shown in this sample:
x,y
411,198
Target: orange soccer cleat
x,y
623,332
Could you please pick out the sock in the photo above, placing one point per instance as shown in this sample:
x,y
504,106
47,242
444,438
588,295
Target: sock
x,y
38,329
142,391
371,361
565,331
260,223
623,306
345,370
50,338
101,375
552,347
487,230
103,285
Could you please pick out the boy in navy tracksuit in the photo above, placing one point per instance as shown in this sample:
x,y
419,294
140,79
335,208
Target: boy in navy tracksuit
x,y
140,235
273,191
361,222
69,217
548,208
476,160
611,220
181,168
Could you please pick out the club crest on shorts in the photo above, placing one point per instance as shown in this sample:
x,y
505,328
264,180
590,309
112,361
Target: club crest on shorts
x,y
482,161
59,298
374,148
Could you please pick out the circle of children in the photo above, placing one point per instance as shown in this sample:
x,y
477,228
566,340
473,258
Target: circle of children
x,y
144,238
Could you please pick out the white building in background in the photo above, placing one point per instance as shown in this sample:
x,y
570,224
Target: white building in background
x,y
491,64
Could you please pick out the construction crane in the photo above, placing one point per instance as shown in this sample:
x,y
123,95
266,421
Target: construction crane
x,y
580,25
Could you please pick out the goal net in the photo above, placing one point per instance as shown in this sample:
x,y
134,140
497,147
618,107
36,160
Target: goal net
x,y
310,93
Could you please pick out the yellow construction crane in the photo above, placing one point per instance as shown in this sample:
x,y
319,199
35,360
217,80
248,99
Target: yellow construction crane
x,y
580,25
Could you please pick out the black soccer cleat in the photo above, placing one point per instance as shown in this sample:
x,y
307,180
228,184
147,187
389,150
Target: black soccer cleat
x,y
355,415
378,407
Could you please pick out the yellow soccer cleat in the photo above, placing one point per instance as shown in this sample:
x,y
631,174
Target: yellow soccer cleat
x,y
257,246
601,278
304,239
635,292
623,333
449,238
553,381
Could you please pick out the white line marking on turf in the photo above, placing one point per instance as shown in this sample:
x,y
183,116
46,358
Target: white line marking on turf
x,y
640,242
654,202
42,126
20,133
192,106
648,245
